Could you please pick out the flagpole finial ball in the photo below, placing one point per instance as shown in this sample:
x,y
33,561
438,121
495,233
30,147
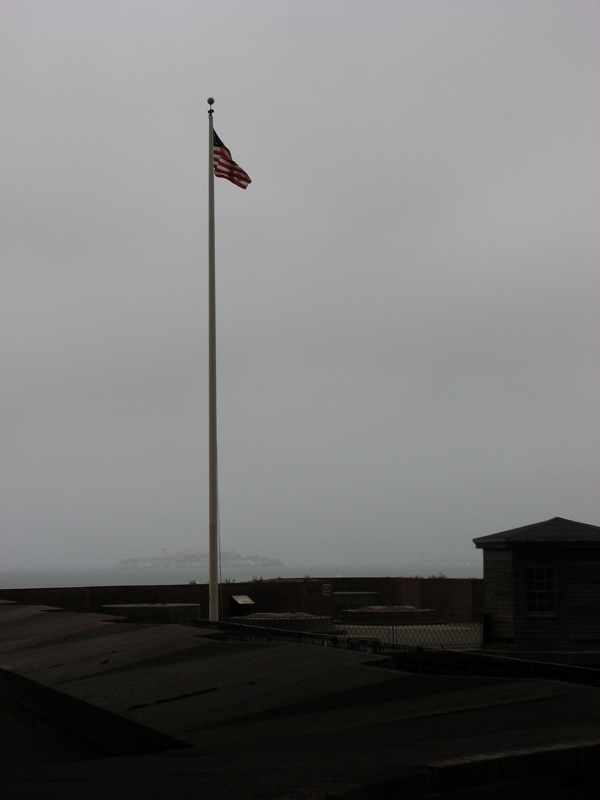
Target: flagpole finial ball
x,y
210,101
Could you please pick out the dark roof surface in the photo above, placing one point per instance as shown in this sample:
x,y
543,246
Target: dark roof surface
x,y
244,720
551,531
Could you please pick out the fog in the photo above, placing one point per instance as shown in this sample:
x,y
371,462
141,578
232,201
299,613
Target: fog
x,y
407,293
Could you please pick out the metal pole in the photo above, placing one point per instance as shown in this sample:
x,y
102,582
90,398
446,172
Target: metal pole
x,y
213,491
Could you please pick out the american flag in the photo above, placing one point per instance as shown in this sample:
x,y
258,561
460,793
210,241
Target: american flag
x,y
225,166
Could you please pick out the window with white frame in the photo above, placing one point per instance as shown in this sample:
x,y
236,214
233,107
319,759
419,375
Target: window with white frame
x,y
540,592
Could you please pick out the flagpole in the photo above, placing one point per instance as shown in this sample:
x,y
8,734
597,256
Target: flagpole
x,y
213,491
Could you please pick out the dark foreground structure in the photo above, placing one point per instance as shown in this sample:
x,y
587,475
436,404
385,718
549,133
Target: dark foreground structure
x,y
542,591
96,708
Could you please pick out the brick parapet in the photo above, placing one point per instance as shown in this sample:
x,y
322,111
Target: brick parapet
x,y
309,595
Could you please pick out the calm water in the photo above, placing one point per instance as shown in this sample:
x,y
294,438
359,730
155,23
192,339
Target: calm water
x,y
30,578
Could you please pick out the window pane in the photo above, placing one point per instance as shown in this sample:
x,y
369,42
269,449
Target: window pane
x,y
540,591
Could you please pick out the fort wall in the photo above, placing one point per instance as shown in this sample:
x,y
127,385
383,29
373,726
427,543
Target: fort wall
x,y
309,595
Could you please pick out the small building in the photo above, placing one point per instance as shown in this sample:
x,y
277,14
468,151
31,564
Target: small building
x,y
542,591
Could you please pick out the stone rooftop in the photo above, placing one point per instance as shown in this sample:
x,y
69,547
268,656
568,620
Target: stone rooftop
x,y
96,708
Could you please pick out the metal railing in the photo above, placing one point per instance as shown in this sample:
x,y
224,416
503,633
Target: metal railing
x,y
451,648
452,633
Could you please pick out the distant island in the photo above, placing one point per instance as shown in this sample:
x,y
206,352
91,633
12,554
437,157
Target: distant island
x,y
197,558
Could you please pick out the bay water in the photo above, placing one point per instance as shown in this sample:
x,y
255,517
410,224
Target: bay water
x,y
118,576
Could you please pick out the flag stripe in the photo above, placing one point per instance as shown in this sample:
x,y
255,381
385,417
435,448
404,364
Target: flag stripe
x,y
225,166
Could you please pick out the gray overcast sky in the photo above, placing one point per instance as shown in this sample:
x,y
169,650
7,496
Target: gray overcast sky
x,y
407,293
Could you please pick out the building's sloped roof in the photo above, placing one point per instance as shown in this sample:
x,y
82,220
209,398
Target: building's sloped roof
x,y
552,531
